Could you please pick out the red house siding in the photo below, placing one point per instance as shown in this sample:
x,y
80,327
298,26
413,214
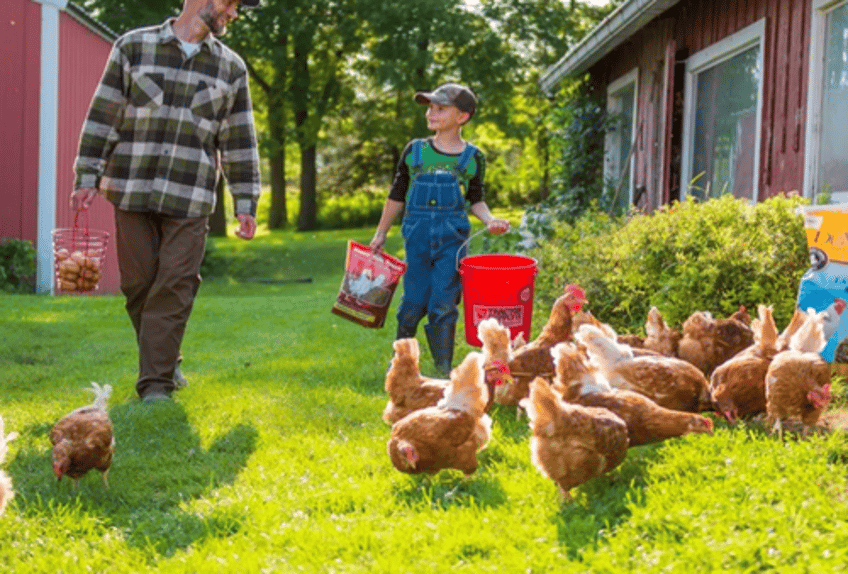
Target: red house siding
x,y
82,56
694,25
20,28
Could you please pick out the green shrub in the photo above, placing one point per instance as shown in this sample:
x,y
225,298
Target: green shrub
x,y
349,211
712,256
17,265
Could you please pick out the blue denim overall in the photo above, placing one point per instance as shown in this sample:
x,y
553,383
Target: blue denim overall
x,y
435,227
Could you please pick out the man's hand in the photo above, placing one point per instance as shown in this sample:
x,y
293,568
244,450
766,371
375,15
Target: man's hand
x,y
247,226
82,198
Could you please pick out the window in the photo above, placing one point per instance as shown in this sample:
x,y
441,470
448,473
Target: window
x,y
618,159
723,95
826,164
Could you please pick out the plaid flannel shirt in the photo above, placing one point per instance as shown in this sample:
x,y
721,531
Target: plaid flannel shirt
x,y
160,124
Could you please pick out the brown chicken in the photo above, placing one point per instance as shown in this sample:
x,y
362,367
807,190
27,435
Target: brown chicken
x,y
708,342
647,422
497,353
798,379
534,358
450,434
84,439
571,443
6,492
669,382
738,386
659,336
409,390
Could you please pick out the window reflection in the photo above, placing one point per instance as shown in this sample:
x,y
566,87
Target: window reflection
x,y
833,145
725,127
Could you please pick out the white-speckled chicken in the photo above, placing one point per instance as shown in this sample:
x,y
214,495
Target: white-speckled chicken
x,y
669,382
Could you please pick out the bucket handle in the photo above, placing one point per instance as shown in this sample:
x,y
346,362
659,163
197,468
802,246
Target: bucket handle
x,y
465,244
85,231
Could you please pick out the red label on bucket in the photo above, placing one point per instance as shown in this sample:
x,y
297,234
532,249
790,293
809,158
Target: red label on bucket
x,y
508,316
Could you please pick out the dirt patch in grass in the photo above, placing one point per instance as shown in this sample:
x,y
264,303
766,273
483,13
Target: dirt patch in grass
x,y
834,420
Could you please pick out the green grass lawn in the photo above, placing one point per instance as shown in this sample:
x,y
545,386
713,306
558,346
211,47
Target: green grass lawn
x,y
274,458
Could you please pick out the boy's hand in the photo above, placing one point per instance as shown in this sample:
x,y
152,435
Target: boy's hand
x,y
377,243
498,226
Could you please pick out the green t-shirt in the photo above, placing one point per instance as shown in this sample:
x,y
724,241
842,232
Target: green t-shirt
x,y
433,159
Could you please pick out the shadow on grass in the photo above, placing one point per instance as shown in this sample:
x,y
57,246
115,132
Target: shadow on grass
x,y
603,503
159,465
451,489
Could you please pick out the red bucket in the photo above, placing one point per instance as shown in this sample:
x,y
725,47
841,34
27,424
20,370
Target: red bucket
x,y
499,286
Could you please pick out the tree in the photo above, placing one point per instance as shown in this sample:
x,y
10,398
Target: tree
x,y
124,15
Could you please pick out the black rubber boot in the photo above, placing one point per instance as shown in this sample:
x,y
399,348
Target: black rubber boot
x,y
440,338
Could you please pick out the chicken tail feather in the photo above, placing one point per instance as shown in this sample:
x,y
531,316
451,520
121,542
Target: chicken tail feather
x,y
810,336
101,395
467,391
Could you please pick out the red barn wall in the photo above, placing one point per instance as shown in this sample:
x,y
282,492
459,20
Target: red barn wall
x,y
20,51
689,27
82,57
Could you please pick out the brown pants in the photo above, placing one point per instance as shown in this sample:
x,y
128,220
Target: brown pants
x,y
159,260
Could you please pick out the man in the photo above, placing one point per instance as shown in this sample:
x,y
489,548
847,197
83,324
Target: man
x,y
172,110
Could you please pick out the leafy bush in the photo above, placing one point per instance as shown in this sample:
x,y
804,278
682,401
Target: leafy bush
x,y
349,211
17,265
712,256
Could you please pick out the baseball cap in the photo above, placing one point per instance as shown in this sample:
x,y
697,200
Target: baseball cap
x,y
450,95
249,3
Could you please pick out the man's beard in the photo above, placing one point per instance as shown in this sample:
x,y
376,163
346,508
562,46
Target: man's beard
x,y
212,21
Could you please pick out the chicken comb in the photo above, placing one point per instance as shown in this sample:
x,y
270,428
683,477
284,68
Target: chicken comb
x,y
500,365
502,368
577,292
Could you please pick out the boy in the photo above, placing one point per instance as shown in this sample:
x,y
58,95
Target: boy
x,y
435,223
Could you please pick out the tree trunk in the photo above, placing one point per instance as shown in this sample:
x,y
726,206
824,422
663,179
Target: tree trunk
x,y
278,216
218,219
308,218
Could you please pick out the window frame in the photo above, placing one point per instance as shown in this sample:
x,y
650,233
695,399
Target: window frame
x,y
815,96
723,50
613,143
